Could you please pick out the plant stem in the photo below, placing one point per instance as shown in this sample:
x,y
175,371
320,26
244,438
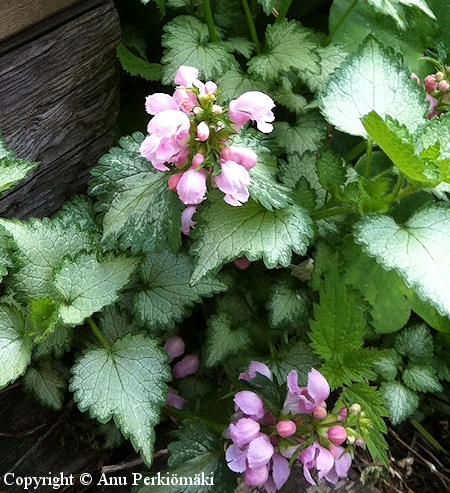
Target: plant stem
x,y
176,413
368,157
427,436
283,10
98,334
356,152
340,22
335,211
251,26
393,196
209,21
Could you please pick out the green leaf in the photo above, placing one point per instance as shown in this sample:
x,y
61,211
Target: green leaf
x,y
288,46
46,384
234,82
268,5
401,402
186,40
141,213
437,131
308,134
330,170
15,346
391,139
242,46
166,295
331,57
287,304
389,365
416,343
421,378
43,316
57,343
418,250
87,284
223,338
373,406
394,9
196,454
136,66
224,233
338,326
372,79
127,383
114,324
12,169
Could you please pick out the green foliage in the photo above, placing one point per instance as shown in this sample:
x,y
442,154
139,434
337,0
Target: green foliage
x,y
394,9
125,382
136,66
401,402
46,383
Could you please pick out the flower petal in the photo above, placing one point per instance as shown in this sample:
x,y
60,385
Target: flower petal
x,y
260,451
249,403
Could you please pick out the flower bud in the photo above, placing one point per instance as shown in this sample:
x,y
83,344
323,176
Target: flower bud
x,y
342,414
430,83
359,442
439,76
174,345
197,160
210,87
216,109
286,428
355,409
202,132
443,86
187,366
320,413
197,110
337,434
351,440
173,181
174,400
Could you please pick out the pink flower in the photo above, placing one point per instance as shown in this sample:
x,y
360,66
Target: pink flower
x,y
185,100
286,428
186,76
233,181
202,132
250,404
307,399
174,347
240,155
158,102
254,368
191,188
186,219
241,262
255,106
433,103
244,431
430,83
174,400
337,434
187,366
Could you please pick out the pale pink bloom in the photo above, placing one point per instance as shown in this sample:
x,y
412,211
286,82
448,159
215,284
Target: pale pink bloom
x,y
337,434
202,131
433,103
286,428
342,414
186,219
320,413
173,181
186,76
187,366
260,451
236,458
255,106
174,400
254,369
316,457
256,477
240,155
197,160
243,431
174,347
307,399
210,87
158,102
233,181
191,188
341,466
443,86
250,404
185,100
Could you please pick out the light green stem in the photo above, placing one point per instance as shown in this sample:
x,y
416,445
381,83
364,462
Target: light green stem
x,y
98,334
251,26
427,436
394,195
283,10
335,211
340,22
368,157
209,21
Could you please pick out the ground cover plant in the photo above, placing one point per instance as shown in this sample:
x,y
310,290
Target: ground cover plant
x,y
267,263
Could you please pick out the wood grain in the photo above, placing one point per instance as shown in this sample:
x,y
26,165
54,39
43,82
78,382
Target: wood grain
x,y
17,15
59,99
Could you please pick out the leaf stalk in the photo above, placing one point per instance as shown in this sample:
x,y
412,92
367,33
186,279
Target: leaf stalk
x,y
209,21
98,334
251,26
339,23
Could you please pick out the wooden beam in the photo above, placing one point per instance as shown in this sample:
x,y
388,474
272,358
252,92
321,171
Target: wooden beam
x,y
18,15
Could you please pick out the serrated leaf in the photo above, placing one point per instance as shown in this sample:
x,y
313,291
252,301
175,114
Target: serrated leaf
x,y
331,57
338,326
166,295
388,365
287,304
46,383
87,284
296,356
417,250
187,42
223,338
436,130
416,343
43,316
268,5
401,402
41,246
141,213
400,149
284,94
394,9
57,343
234,82
196,454
371,402
224,233
289,46
114,324
421,378
12,169
308,134
242,46
330,170
372,79
136,66
15,346
127,383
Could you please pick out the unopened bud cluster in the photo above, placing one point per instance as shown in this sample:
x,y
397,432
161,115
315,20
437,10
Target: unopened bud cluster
x,y
437,87
263,444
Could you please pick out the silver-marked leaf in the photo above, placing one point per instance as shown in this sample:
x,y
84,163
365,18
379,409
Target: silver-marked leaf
x,y
394,9
401,402
419,250
46,383
127,383
372,79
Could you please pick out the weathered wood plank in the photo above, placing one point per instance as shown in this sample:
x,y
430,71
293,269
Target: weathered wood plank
x,y
17,15
59,99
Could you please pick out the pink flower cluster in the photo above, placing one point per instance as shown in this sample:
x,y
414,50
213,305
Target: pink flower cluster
x,y
437,87
189,131
263,444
